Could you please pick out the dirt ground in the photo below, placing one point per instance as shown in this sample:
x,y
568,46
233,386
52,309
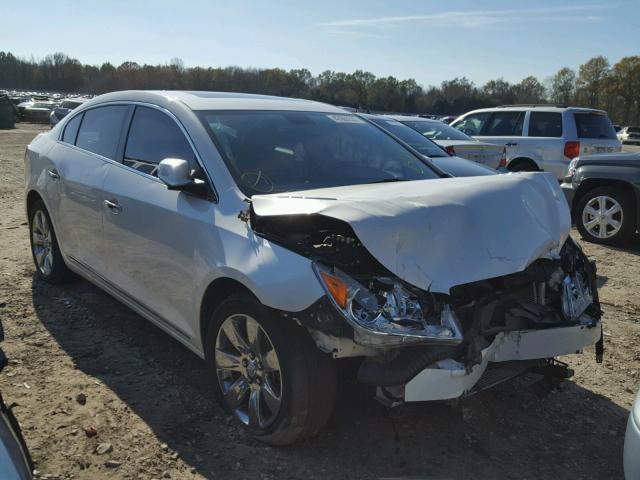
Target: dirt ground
x,y
148,398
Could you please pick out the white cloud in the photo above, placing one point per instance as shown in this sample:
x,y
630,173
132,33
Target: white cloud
x,y
471,19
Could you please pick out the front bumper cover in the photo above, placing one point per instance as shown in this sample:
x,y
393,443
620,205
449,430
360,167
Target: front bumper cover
x,y
452,380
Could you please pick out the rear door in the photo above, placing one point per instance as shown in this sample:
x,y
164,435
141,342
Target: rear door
x,y
595,132
154,235
88,145
504,128
544,141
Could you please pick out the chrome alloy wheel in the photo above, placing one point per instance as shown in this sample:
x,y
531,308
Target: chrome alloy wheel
x,y
42,243
248,371
602,216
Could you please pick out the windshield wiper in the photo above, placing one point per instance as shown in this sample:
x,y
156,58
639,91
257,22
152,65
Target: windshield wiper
x,y
387,180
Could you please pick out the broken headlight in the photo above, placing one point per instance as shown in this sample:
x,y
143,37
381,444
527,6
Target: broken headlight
x,y
386,313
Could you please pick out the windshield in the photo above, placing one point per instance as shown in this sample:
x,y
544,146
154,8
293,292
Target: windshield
x,y
594,125
279,151
411,137
437,130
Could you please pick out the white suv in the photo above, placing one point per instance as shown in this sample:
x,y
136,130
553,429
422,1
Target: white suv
x,y
542,137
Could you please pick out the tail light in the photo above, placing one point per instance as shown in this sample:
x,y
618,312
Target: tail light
x,y
451,150
503,159
571,149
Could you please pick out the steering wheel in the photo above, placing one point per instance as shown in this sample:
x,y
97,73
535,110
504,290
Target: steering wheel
x,y
257,181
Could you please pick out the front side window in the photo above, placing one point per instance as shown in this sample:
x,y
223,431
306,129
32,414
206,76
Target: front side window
x,y
153,136
71,130
594,125
545,124
100,130
504,124
472,124
436,130
411,137
279,151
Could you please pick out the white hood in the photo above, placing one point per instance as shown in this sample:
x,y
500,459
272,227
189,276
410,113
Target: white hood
x,y
436,234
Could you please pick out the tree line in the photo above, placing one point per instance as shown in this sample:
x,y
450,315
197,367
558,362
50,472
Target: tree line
x,y
596,84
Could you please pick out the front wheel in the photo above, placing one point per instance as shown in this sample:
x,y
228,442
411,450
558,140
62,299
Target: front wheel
x,y
268,373
606,215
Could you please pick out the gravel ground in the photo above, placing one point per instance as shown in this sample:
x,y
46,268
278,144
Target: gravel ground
x,y
81,362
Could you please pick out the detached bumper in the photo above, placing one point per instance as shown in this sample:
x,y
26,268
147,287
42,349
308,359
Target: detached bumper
x,y
451,380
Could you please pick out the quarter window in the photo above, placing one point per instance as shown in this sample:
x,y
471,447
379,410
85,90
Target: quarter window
x,y
101,128
71,130
153,136
545,124
504,124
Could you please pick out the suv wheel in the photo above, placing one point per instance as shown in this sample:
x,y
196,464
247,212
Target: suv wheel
x,y
47,258
606,215
268,373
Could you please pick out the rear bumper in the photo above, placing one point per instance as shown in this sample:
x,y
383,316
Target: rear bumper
x,y
452,380
569,192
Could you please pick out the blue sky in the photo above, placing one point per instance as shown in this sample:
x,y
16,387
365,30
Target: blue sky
x,y
427,40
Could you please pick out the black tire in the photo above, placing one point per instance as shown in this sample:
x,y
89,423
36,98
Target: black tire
x,y
628,216
308,379
522,165
58,273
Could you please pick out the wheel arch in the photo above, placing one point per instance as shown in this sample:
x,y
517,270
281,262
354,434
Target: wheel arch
x,y
525,160
32,197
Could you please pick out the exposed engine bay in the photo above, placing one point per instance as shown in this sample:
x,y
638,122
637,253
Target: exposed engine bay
x,y
386,312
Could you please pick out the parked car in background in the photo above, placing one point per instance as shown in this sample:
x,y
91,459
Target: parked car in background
x,y
15,461
629,135
632,443
63,109
37,112
456,166
455,142
603,192
542,137
448,119
272,236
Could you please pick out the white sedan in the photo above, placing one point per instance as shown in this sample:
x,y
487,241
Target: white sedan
x,y
456,142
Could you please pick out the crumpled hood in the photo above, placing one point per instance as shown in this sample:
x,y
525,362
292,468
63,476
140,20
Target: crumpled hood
x,y
436,234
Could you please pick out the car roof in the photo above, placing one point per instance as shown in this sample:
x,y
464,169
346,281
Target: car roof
x,y
196,100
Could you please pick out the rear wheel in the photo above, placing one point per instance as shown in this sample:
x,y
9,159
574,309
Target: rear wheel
x,y
47,258
606,215
268,373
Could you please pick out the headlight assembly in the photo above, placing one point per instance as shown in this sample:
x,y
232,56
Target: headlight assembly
x,y
386,313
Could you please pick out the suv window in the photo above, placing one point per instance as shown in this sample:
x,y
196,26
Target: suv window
x,y
503,124
594,125
472,124
153,136
545,124
71,130
633,130
100,130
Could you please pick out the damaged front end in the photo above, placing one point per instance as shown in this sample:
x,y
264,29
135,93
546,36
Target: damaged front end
x,y
422,343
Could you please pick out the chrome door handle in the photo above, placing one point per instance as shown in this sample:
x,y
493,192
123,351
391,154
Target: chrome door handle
x,y
53,173
113,206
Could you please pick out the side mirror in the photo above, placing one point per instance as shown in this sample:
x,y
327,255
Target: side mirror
x,y
175,173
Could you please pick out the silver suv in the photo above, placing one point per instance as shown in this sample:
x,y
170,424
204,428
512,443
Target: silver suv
x,y
274,237
542,137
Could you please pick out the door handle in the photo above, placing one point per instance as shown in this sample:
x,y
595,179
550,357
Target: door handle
x,y
512,144
53,173
113,206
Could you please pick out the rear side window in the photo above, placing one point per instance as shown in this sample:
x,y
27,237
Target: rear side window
x,y
472,124
153,136
594,125
71,130
545,124
101,128
503,124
